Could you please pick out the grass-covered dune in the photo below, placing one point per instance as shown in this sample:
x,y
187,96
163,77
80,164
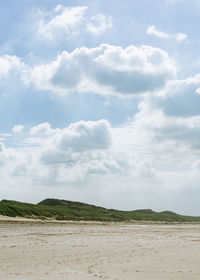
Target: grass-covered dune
x,y
77,211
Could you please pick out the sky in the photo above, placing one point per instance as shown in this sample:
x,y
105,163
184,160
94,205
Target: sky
x,y
100,103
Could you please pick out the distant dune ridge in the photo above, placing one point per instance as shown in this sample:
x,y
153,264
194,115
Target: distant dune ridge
x,y
78,211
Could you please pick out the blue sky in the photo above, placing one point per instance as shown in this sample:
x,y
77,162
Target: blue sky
x,y
100,102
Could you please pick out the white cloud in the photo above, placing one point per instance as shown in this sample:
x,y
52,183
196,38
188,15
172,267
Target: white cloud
x,y
176,131
9,63
141,164
180,98
18,128
179,37
78,137
152,30
60,156
152,161
71,21
84,136
62,18
99,24
172,116
106,70
43,129
2,147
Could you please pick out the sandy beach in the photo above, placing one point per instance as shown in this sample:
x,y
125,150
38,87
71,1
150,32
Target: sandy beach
x,y
78,251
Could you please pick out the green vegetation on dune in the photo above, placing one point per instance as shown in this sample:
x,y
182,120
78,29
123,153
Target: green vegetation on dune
x,y
77,211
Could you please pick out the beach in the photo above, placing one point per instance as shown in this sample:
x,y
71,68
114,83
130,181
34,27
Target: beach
x,y
80,251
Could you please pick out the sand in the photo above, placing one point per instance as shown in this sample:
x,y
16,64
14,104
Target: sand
x,y
30,250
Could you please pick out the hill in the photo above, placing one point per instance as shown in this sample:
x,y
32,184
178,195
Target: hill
x,y
77,211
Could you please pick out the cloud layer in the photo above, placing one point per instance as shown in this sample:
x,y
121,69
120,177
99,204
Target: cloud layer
x,y
111,124
106,70
138,162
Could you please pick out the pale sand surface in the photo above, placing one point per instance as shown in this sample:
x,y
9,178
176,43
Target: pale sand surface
x,y
73,251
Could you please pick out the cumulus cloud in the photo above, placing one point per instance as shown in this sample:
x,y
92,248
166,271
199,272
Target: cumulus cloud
x,y
66,145
60,156
84,136
180,98
8,64
71,21
106,70
66,19
43,129
18,128
181,131
173,116
99,24
130,166
1,147
148,162
179,37
186,131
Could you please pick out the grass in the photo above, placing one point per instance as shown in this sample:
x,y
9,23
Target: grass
x,y
77,211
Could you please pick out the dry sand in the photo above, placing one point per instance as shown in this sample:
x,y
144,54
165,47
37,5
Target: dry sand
x,y
56,251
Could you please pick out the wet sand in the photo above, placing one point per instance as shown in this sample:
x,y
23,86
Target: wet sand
x,y
30,250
